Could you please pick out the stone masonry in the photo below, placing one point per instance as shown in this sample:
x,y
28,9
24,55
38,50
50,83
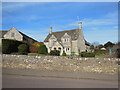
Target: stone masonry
x,y
61,63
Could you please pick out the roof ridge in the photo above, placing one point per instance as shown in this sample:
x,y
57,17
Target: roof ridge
x,y
4,30
65,30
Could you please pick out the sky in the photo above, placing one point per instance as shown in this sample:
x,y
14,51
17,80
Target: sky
x,y
100,19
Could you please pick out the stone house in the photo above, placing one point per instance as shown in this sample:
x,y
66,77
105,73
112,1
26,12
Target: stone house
x,y
13,33
70,41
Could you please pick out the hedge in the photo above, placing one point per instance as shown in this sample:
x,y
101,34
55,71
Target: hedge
x,y
10,46
87,54
42,49
23,49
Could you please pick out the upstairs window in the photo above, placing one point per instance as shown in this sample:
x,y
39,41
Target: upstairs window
x,y
54,41
12,34
66,40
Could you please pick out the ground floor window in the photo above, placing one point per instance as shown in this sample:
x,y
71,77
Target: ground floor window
x,y
54,48
67,49
59,48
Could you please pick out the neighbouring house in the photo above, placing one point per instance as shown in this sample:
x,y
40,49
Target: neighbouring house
x,y
70,41
13,33
115,50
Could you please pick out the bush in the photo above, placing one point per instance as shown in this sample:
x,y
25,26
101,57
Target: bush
x,y
63,54
87,54
55,52
23,49
9,46
42,49
33,49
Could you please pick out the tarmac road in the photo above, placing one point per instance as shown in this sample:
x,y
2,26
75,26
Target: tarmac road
x,y
16,81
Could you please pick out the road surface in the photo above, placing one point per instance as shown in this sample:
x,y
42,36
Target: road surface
x,y
16,81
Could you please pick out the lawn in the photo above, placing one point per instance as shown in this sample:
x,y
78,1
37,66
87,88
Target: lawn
x,y
100,56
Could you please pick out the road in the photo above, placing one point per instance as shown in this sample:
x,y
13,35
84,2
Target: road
x,y
15,81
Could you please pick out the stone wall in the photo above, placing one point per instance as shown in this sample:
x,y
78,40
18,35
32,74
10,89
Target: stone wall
x,y
61,63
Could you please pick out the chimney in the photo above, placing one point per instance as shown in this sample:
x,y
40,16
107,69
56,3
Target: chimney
x,y
80,25
50,29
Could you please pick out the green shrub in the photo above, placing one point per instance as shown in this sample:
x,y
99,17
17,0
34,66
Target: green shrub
x,y
42,49
55,52
63,54
23,49
87,54
9,46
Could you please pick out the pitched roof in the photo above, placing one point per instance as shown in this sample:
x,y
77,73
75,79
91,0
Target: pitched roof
x,y
73,33
2,33
25,36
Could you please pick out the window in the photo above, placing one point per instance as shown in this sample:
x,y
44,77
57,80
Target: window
x,y
54,48
66,40
54,41
12,34
59,48
67,49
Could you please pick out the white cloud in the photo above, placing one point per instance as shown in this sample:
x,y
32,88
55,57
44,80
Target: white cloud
x,y
102,29
11,6
108,19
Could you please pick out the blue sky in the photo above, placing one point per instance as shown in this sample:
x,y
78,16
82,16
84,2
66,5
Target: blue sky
x,y
100,19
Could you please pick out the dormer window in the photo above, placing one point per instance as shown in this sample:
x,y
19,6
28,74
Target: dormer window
x,y
12,34
66,40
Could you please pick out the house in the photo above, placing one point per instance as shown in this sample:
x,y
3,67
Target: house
x,y
70,41
13,33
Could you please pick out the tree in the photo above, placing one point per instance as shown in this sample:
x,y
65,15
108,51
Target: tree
x,y
42,49
34,47
95,43
92,47
23,49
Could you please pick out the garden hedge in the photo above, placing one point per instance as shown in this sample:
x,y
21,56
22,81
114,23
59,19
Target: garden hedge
x,y
10,46
87,54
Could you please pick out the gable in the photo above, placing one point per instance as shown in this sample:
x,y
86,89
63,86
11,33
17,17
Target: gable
x,y
11,31
65,36
52,37
18,35
72,33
